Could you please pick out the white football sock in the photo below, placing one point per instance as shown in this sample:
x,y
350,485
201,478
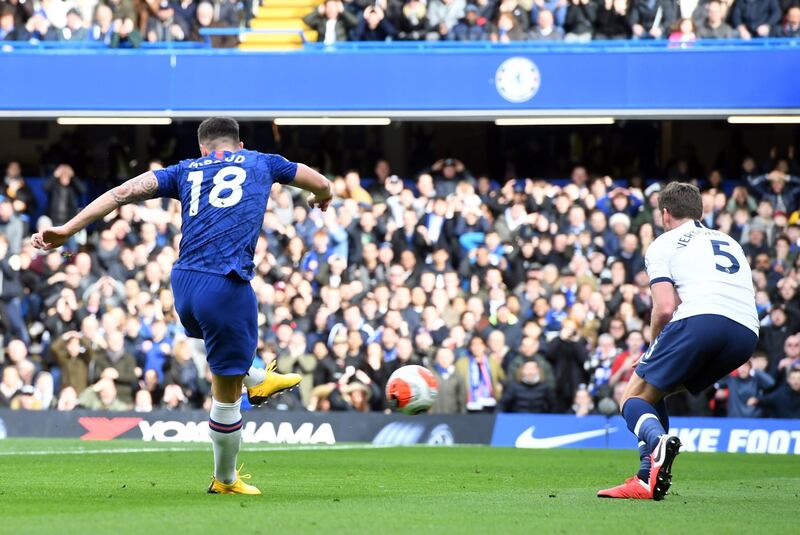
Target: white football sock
x,y
254,377
225,430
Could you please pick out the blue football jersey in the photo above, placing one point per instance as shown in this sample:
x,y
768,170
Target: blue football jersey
x,y
223,198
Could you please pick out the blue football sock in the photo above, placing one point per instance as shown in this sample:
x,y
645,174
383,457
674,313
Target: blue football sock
x,y
663,417
644,460
643,421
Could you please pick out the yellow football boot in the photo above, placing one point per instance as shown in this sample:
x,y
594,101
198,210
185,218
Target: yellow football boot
x,y
273,383
237,487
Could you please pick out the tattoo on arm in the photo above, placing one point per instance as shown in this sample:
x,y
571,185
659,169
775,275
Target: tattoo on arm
x,y
137,189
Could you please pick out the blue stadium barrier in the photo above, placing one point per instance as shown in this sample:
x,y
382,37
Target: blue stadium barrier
x,y
629,79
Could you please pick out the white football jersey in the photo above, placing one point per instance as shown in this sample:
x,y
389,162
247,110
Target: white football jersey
x,y
709,270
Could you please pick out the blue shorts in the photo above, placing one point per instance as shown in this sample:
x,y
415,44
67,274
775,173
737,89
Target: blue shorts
x,y
696,352
221,310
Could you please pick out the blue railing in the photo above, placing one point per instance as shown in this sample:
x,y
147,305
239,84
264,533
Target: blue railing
x,y
419,46
249,31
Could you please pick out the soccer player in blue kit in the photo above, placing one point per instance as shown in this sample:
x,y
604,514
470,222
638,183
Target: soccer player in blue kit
x,y
223,198
704,325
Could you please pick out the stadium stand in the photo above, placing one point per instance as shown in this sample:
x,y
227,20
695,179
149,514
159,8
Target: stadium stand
x,y
543,282
288,24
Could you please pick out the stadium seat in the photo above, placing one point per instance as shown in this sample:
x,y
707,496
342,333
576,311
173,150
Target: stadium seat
x,y
280,15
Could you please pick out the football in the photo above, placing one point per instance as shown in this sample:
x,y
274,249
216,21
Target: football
x,y
412,389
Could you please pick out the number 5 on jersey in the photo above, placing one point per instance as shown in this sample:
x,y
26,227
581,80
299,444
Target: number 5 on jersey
x,y
228,178
718,245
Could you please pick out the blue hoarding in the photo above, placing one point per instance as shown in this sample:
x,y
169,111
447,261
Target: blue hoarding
x,y
396,80
731,435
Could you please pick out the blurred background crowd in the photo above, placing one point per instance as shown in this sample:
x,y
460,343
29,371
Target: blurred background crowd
x,y
127,23
576,21
119,23
523,296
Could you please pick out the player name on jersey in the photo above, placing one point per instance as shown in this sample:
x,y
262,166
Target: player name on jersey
x,y
230,158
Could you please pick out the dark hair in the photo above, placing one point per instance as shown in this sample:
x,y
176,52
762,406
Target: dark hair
x,y
683,201
216,128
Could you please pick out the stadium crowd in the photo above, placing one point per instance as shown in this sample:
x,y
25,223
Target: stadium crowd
x,y
526,296
126,23
680,21
119,23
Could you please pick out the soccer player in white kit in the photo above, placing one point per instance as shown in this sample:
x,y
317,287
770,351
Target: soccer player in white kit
x,y
704,325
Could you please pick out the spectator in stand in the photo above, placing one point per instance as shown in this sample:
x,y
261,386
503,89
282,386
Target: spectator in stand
x,y
102,28
612,21
10,385
12,321
125,23
714,25
40,28
557,7
451,396
74,29
102,396
442,16
784,401
748,381
116,365
232,13
791,25
186,10
73,355
15,189
204,18
506,29
470,28
374,26
11,226
527,392
778,188
755,18
567,354
411,21
64,194
545,29
582,402
651,19
600,366
166,26
580,20
791,357
481,377
331,22
684,31
9,29
625,362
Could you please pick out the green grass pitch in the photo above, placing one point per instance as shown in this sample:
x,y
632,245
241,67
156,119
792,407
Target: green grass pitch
x,y
65,486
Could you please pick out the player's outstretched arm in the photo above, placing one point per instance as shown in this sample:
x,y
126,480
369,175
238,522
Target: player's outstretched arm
x,y
136,189
320,187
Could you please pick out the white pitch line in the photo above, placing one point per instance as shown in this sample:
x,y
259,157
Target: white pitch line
x,y
171,450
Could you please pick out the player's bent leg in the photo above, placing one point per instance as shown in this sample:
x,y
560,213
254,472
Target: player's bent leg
x,y
225,430
644,411
261,384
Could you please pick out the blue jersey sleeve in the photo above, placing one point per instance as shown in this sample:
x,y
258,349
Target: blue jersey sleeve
x,y
281,169
168,181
